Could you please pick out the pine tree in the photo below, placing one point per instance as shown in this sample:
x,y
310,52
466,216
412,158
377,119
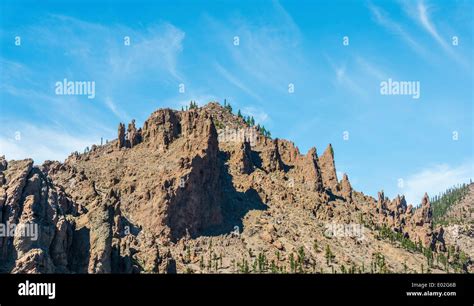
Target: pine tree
x,y
329,256
239,114
201,263
442,202
227,106
301,258
193,105
343,269
292,263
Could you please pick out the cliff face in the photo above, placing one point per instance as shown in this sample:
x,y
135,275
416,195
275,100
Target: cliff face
x,y
180,195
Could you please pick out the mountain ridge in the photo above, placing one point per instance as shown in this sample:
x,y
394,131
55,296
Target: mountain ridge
x,y
200,190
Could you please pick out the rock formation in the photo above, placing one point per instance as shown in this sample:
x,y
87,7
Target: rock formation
x,y
180,195
242,157
346,188
134,136
308,170
328,169
121,135
271,160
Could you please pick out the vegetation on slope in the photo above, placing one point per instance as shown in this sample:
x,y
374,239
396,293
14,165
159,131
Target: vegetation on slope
x,y
442,202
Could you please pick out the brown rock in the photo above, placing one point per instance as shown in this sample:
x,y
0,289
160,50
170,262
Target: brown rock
x,y
346,188
34,261
328,169
243,158
177,193
134,136
3,163
266,236
121,136
288,152
277,244
164,126
308,171
271,160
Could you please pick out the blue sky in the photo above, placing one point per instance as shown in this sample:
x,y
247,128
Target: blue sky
x,y
336,86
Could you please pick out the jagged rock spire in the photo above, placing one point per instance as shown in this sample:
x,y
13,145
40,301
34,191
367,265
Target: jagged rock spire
x,y
346,188
315,171
308,171
134,136
121,135
271,160
328,169
243,158
426,211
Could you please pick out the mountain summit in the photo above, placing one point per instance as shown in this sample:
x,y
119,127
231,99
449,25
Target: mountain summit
x,y
205,191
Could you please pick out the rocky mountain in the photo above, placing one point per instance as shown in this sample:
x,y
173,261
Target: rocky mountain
x,y
201,191
457,221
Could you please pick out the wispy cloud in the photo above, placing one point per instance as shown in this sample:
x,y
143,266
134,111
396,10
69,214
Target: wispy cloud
x,y
42,143
382,18
258,114
236,82
120,114
97,52
154,50
342,78
53,108
436,179
268,53
424,19
155,47
93,52
371,69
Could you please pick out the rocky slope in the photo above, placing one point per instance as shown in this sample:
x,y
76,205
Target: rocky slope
x,y
199,191
459,219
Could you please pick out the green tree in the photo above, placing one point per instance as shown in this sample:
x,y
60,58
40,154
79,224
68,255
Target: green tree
x,y
343,269
442,202
301,259
193,105
292,263
329,255
227,106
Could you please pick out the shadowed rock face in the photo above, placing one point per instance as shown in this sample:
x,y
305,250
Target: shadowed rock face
x,y
32,199
167,197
